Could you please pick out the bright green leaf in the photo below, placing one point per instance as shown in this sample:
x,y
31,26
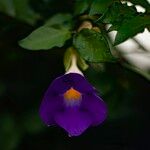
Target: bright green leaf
x,y
64,20
45,38
130,28
99,6
92,46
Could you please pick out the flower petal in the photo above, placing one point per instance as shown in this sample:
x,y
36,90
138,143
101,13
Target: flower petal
x,y
78,82
73,121
61,84
49,106
95,106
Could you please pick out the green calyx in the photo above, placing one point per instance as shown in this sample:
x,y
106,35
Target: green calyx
x,y
69,54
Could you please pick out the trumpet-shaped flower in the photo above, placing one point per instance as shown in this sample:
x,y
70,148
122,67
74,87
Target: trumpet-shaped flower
x,y
72,103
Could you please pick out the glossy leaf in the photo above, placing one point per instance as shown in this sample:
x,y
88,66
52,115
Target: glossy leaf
x,y
130,28
117,12
92,46
45,38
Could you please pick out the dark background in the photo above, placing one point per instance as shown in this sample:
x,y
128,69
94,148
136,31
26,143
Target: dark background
x,y
25,75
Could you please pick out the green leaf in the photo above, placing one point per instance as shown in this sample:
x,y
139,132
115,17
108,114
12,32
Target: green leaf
x,y
19,9
99,6
81,6
45,38
64,20
117,12
113,27
92,46
130,28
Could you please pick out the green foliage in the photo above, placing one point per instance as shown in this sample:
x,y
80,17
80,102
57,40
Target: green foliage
x,y
56,30
99,6
130,28
92,46
53,33
64,20
117,12
81,6
125,20
45,38
19,9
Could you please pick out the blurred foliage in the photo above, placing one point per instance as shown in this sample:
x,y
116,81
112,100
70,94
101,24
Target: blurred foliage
x,y
19,9
81,6
25,75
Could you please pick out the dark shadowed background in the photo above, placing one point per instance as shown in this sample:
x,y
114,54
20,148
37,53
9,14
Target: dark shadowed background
x,y
25,75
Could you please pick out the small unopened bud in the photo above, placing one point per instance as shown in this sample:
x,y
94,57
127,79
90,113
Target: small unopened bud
x,y
85,25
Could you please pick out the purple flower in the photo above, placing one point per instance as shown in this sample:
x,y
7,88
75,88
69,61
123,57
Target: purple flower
x,y
73,104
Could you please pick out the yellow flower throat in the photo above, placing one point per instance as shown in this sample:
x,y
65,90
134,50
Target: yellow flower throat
x,y
72,94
